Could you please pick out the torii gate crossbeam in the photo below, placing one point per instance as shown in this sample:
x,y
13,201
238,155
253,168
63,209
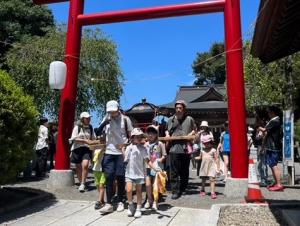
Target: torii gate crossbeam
x,y
234,67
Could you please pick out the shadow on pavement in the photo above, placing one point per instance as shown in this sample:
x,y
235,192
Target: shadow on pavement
x,y
16,202
276,207
162,208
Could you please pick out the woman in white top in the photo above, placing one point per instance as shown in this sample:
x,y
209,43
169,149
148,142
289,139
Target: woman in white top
x,y
81,155
42,149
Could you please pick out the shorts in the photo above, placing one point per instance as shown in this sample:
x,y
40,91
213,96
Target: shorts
x,y
272,158
148,173
80,154
113,165
100,178
135,181
226,153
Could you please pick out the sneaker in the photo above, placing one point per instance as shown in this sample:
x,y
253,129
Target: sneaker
x,y
138,213
107,208
202,193
98,205
263,184
276,188
120,207
147,205
154,206
213,195
175,196
130,210
81,188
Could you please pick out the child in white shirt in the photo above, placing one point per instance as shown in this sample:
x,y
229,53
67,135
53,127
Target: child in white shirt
x,y
136,155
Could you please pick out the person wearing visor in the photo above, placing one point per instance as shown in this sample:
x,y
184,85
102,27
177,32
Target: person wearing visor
x,y
117,129
180,125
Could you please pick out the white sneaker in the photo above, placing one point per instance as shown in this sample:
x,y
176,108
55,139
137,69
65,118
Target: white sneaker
x,y
154,206
138,213
81,188
147,205
130,210
108,208
120,207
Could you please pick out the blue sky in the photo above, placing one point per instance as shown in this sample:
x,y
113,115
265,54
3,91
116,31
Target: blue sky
x,y
156,55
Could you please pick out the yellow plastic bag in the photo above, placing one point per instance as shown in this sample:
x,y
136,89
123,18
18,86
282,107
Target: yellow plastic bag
x,y
159,185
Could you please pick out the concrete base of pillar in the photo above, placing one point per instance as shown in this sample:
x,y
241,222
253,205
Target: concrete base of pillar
x,y
60,179
236,187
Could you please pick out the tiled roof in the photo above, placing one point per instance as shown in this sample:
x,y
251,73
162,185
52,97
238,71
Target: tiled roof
x,y
201,97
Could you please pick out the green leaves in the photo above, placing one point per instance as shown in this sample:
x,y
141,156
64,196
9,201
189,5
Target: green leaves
x,y
21,18
99,79
18,128
209,67
268,84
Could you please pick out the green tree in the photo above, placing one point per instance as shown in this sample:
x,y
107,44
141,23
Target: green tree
x,y
269,83
18,128
19,18
99,79
209,67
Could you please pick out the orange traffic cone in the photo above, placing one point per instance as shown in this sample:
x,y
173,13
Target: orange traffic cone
x,y
254,193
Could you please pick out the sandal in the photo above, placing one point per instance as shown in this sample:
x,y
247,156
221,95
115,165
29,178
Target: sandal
x,y
202,193
213,196
276,188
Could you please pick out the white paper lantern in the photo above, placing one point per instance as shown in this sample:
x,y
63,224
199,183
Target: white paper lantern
x,y
57,75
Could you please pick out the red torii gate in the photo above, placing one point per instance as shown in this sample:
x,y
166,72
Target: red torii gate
x,y
234,66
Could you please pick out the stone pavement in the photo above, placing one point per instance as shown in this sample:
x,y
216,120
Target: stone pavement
x,y
70,212
73,208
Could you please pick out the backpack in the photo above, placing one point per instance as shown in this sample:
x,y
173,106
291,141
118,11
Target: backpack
x,y
90,127
79,127
101,127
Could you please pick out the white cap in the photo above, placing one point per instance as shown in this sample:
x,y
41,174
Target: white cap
x,y
204,124
112,105
136,132
85,115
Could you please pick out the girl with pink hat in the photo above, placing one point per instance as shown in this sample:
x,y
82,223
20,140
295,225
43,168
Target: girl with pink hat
x,y
210,164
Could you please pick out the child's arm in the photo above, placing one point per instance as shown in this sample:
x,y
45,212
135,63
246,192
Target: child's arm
x,y
162,159
126,153
156,169
199,157
163,152
217,160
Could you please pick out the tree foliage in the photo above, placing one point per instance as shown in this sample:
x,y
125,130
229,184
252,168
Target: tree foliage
x,y
266,84
18,128
21,18
99,79
209,67
269,84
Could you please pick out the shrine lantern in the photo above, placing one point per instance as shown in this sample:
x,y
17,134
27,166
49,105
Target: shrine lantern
x,y
57,75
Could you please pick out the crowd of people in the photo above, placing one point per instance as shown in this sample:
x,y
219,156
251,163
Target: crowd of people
x,y
126,157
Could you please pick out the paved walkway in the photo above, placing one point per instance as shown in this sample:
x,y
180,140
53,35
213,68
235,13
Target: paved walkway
x,y
70,212
73,208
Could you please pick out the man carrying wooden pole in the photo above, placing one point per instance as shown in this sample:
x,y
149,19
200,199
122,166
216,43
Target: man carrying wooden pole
x,y
180,125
